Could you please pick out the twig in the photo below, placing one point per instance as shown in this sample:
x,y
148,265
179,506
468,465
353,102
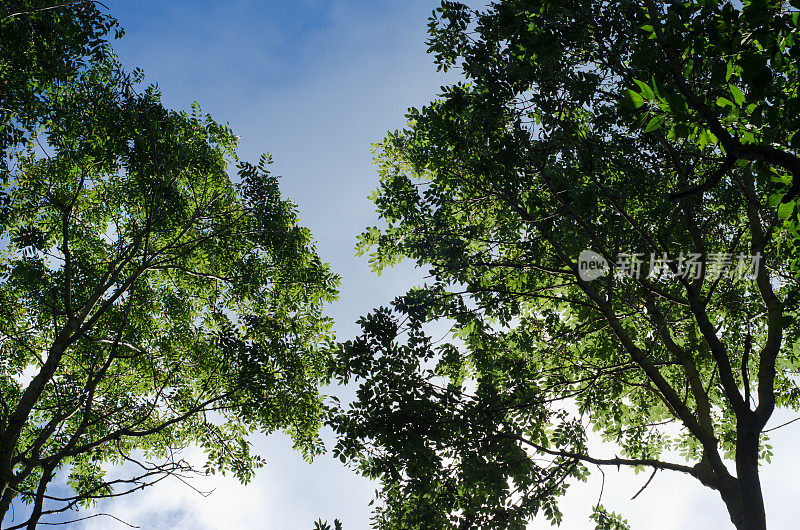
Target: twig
x,y
645,484
782,425
91,517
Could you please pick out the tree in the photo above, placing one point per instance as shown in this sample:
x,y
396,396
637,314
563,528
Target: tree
x,y
43,44
319,524
148,302
660,136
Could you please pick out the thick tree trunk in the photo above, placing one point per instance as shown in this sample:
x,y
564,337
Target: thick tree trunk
x,y
742,495
729,491
753,514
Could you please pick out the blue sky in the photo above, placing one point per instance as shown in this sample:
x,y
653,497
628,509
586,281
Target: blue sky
x,y
312,82
315,82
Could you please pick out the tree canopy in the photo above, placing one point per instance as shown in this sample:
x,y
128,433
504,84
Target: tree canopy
x,y
660,136
44,44
149,301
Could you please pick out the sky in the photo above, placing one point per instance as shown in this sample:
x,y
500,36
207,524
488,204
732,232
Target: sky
x,y
314,83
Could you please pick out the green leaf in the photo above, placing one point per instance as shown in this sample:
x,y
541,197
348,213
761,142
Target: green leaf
x,y
785,209
635,98
738,96
647,92
655,123
724,102
729,68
